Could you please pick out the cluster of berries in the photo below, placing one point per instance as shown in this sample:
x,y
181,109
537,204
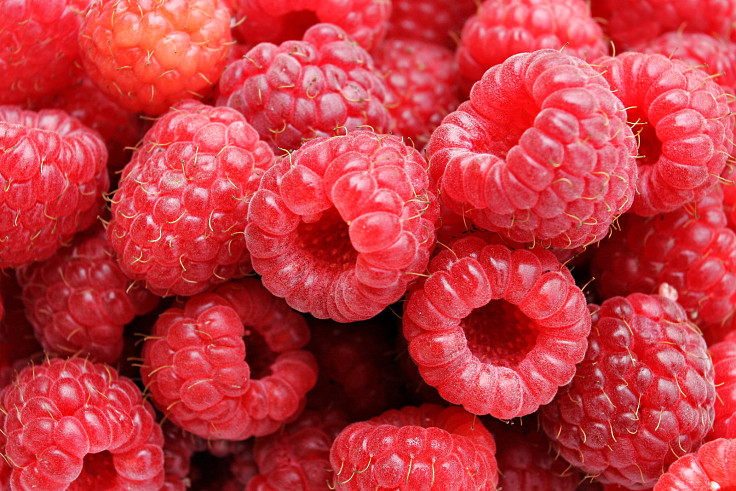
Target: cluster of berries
x,y
368,245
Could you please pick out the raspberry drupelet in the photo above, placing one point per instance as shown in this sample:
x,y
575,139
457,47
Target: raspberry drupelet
x,y
340,227
711,468
70,424
54,171
216,378
541,153
494,330
147,55
321,85
424,447
181,205
432,21
723,354
642,397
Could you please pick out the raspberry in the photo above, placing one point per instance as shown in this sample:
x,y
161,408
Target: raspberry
x,y
341,226
323,85
54,170
17,343
503,28
197,371
712,467
691,249
79,300
178,214
38,47
415,448
642,397
277,21
433,21
539,327
684,139
724,364
72,424
541,152
150,55
422,81
633,22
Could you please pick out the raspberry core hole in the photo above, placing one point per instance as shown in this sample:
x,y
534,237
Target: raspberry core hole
x,y
327,242
258,354
649,146
98,472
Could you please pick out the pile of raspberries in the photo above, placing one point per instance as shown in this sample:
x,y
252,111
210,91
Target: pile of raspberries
x,y
408,245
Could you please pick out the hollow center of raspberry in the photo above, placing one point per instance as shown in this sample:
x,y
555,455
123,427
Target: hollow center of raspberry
x,y
258,354
500,334
327,242
650,148
98,472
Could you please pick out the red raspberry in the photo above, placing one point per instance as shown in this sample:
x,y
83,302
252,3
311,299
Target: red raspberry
x,y
323,85
540,153
149,55
642,397
691,249
539,318
711,468
685,127
415,448
341,226
73,424
38,47
54,173
724,364
179,213
17,343
422,81
197,371
502,28
633,22
277,21
433,21
79,300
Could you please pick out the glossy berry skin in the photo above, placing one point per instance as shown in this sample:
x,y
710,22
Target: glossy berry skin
x,y
494,330
73,424
642,397
340,227
541,153
684,127
182,201
212,382
149,55
323,85
432,21
38,48
276,21
415,448
724,364
54,170
501,28
712,467
79,300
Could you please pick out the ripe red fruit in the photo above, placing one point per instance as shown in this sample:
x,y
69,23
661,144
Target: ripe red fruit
x,y
724,364
149,55
712,467
433,21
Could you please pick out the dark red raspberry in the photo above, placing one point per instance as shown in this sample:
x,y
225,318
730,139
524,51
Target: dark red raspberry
x,y
277,21
179,213
149,55
415,448
73,424
724,364
642,397
219,380
541,152
433,21
691,249
711,468
501,28
38,47
683,123
494,330
422,81
633,22
323,85
340,227
54,173
79,300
